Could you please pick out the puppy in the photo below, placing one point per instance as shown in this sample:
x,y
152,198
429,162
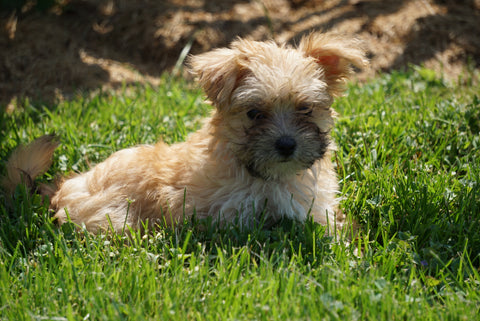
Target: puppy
x,y
266,149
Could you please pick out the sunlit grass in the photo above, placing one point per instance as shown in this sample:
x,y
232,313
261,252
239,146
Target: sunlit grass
x,y
408,159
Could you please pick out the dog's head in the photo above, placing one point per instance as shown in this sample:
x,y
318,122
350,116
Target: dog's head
x,y
273,102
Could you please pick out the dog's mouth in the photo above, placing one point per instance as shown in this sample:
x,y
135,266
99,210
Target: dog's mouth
x,y
286,159
284,167
253,172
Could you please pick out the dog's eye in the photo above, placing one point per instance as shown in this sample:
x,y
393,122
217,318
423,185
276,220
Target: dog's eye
x,y
305,110
255,114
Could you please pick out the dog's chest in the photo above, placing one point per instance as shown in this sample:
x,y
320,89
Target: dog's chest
x,y
251,200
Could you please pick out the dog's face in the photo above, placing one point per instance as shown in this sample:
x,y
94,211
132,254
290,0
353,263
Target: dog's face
x,y
273,102
279,115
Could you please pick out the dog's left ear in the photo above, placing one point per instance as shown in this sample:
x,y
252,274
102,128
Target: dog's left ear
x,y
334,54
218,73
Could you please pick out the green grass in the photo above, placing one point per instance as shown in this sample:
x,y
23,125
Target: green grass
x,y
409,163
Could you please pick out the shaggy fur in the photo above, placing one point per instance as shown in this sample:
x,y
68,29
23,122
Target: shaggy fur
x,y
266,148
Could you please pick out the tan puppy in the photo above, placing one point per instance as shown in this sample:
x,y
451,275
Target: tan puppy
x,y
266,148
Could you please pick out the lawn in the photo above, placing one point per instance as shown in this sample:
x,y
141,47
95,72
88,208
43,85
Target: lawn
x,y
409,163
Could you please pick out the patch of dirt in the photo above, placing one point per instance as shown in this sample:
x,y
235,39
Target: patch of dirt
x,y
91,44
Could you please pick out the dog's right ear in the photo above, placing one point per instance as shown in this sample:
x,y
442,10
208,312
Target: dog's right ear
x,y
219,73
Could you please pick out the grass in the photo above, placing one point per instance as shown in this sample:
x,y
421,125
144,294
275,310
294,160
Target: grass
x,y
408,160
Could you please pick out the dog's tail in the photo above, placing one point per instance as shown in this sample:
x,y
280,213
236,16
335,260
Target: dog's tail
x,y
28,162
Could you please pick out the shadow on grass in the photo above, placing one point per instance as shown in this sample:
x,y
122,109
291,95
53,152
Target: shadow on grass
x,y
81,45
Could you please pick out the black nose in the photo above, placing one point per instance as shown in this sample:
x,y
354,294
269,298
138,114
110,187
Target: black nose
x,y
286,145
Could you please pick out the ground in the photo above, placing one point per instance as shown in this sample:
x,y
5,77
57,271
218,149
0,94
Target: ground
x,y
91,44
